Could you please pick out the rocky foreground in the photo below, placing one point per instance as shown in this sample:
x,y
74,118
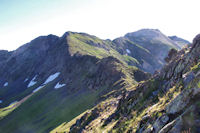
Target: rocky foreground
x,y
166,103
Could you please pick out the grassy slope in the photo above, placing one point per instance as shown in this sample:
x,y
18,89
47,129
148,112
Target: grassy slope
x,y
129,84
89,45
138,52
105,108
47,106
5,111
148,104
19,95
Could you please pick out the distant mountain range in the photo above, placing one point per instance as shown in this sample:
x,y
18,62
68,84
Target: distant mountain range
x,y
149,47
52,79
179,41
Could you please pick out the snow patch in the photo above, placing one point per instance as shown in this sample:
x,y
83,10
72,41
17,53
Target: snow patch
x,y
58,85
128,51
26,80
1,101
6,84
52,77
49,79
32,82
37,89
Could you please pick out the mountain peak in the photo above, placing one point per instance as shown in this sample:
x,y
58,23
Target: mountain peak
x,y
76,72
50,36
145,32
179,40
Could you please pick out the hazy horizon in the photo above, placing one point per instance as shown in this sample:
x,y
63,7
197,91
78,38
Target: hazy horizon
x,y
21,21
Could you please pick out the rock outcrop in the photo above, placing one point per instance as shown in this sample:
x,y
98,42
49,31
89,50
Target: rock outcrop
x,y
166,103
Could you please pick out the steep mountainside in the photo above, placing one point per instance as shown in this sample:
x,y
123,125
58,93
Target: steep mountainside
x,y
146,61
77,79
51,80
148,46
166,103
4,55
46,54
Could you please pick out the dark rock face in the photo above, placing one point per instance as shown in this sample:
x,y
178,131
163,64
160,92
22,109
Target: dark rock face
x,y
188,77
35,58
4,55
160,122
172,54
196,41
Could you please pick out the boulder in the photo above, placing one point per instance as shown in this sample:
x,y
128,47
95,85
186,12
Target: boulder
x,y
179,103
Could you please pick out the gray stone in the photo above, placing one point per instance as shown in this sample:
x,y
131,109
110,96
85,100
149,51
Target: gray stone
x,y
179,102
167,127
160,122
177,126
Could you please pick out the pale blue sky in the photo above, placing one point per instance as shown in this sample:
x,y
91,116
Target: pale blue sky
x,y
23,20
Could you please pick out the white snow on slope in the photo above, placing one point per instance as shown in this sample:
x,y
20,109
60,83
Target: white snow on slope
x,y
128,51
52,77
26,80
58,85
37,89
32,82
6,84
49,79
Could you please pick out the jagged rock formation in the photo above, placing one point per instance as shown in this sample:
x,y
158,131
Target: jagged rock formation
x,y
166,103
173,108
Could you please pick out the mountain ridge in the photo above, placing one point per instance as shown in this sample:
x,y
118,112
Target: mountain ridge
x,y
68,75
166,103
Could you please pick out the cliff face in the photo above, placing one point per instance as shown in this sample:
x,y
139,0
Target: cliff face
x,y
168,102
